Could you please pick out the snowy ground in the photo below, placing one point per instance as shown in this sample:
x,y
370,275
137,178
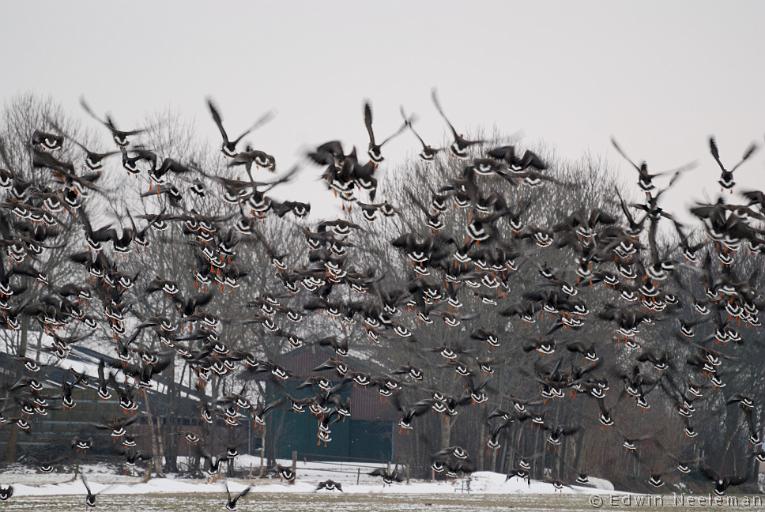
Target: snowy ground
x,y
353,477
35,492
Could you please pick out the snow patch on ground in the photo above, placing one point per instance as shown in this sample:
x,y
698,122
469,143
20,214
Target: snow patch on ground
x,y
103,481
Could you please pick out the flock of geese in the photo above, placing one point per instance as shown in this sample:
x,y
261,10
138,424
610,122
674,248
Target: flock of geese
x,y
49,197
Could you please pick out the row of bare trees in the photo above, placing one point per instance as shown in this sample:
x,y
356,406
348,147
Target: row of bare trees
x,y
582,184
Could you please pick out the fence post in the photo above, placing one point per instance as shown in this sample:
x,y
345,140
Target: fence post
x,y
358,475
294,465
407,474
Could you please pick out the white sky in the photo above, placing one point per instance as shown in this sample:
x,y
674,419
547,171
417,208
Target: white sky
x,y
661,76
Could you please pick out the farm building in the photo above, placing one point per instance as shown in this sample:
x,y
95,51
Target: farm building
x,y
59,426
369,434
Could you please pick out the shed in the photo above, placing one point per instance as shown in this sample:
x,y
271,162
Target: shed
x,y
367,435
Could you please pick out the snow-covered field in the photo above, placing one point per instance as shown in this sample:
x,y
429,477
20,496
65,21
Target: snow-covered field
x,y
352,476
487,492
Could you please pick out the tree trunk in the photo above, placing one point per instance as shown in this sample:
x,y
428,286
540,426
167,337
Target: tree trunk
x,y
171,427
10,450
155,454
171,449
160,445
482,446
263,437
446,431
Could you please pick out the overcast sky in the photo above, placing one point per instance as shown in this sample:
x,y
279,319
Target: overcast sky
x,y
661,76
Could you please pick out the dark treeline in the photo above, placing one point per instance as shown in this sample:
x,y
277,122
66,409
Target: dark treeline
x,y
533,316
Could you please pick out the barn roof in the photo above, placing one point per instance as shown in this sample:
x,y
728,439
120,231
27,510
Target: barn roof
x,y
301,362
